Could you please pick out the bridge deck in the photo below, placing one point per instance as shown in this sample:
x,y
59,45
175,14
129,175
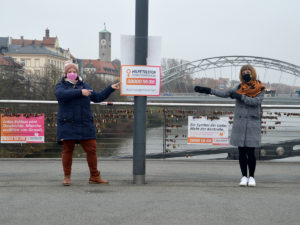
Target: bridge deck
x,y
177,192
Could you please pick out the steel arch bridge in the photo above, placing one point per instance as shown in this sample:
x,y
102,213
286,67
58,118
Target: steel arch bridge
x,y
227,61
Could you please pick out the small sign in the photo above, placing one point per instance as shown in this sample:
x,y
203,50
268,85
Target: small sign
x,y
140,80
22,129
205,131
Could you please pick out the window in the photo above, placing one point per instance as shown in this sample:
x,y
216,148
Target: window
x,y
37,62
22,62
37,72
28,62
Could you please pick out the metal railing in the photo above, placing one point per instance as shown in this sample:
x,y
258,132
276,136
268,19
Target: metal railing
x,y
166,129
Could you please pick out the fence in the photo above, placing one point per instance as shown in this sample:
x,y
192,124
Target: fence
x,y
166,129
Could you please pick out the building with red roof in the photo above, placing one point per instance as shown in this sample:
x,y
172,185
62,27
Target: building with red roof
x,y
108,71
47,41
37,56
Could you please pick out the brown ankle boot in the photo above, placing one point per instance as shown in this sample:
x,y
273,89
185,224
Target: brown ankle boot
x,y
67,181
97,180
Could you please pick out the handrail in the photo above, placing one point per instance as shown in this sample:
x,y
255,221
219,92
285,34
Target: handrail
x,y
156,104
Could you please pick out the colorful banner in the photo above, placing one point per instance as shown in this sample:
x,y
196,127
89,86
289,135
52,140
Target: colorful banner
x,y
22,129
205,131
140,80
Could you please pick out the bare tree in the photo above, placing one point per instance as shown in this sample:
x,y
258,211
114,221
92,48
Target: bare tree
x,y
183,84
98,84
42,86
12,81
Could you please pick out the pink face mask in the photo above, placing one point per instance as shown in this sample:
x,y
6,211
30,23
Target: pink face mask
x,y
72,76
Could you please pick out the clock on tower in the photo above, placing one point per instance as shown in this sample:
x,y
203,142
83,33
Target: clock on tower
x,y
103,42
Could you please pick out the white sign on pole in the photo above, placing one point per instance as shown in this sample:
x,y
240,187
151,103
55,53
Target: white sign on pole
x,y
128,47
140,80
205,131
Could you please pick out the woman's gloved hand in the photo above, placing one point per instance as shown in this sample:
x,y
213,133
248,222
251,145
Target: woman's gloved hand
x,y
200,89
235,95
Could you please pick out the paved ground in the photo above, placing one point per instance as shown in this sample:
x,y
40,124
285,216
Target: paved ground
x,y
177,192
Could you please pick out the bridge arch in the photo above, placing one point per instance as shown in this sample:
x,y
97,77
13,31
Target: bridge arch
x,y
227,61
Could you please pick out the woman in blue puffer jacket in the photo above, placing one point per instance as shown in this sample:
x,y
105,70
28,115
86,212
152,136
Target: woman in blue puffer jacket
x,y
75,122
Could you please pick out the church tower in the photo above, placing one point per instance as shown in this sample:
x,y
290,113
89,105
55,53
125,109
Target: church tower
x,y
105,45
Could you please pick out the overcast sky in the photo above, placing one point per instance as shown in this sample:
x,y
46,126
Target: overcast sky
x,y
190,29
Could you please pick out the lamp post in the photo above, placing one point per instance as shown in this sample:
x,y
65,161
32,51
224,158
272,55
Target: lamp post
x,y
140,102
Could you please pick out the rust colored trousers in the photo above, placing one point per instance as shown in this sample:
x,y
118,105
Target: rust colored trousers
x,y
89,146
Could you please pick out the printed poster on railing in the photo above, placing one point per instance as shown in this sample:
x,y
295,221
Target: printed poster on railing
x,y
140,80
202,130
24,128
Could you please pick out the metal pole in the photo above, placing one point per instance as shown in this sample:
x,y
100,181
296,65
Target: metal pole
x,y
140,102
165,133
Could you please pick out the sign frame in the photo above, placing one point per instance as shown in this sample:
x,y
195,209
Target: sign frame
x,y
206,131
144,81
22,128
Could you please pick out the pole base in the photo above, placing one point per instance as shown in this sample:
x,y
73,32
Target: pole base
x,y
139,179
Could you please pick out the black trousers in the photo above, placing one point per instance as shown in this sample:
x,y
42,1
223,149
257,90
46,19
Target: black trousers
x,y
247,159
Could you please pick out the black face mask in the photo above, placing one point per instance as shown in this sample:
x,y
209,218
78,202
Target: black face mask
x,y
246,77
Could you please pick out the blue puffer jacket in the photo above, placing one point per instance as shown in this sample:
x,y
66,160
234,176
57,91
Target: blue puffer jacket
x,y
75,120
